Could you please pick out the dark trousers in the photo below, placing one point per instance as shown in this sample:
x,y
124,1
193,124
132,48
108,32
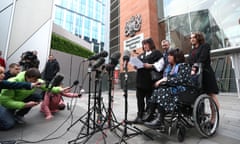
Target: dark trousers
x,y
33,97
141,95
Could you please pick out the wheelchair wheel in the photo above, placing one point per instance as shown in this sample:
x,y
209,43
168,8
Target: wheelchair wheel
x,y
181,133
206,116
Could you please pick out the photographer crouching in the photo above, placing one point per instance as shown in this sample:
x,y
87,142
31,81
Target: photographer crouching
x,y
29,60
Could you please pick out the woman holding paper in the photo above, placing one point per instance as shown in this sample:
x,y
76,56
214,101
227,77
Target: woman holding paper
x,y
144,83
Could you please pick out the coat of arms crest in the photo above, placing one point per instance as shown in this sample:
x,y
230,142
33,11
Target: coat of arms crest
x,y
133,25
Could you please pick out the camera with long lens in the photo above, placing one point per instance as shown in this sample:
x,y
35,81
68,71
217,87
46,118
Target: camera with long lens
x,y
29,60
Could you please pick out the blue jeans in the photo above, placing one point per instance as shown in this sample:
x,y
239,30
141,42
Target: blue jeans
x,y
7,120
33,97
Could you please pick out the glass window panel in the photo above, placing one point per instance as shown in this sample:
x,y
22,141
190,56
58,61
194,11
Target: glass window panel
x,y
103,14
82,7
79,23
179,32
64,3
98,11
69,21
103,33
75,5
200,21
90,8
96,48
226,14
87,27
58,16
95,30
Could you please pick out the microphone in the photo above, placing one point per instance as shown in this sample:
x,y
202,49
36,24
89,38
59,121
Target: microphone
x,y
96,56
81,91
56,81
134,51
114,60
98,63
126,57
76,82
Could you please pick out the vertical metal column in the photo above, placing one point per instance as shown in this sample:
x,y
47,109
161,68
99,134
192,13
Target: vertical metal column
x,y
236,67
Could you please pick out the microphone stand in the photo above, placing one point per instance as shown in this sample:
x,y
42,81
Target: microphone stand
x,y
110,113
126,97
98,115
100,104
96,127
136,131
111,118
88,113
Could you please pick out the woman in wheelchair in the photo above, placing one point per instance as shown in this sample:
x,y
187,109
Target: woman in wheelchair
x,y
176,77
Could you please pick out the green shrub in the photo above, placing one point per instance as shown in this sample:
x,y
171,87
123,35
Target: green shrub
x,y
62,44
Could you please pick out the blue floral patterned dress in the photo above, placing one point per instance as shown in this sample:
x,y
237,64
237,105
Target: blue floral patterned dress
x,y
177,78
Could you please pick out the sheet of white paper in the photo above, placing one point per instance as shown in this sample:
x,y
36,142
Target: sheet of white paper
x,y
136,62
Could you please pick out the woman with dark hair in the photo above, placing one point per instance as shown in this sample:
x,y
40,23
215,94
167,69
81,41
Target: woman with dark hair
x,y
175,78
201,54
144,83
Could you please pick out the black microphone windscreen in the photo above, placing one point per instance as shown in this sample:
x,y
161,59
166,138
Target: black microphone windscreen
x,y
56,81
76,82
115,57
96,56
104,54
126,55
98,63
135,51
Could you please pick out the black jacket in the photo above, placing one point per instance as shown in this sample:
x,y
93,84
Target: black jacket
x,y
143,79
202,55
51,69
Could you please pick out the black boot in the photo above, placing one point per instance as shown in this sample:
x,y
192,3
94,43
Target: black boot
x,y
149,116
157,122
138,119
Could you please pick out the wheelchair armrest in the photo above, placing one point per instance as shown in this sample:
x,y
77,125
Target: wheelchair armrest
x,y
165,84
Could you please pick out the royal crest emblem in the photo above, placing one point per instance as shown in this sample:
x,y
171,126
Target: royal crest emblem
x,y
133,25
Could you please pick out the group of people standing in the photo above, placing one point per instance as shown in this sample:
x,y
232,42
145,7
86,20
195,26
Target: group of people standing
x,y
175,70
18,90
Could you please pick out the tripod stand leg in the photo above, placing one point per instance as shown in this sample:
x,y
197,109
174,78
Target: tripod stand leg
x,y
142,132
76,121
88,134
136,131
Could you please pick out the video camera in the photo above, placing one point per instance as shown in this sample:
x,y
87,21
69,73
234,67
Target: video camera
x,y
29,60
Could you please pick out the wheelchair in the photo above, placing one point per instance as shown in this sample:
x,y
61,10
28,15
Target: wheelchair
x,y
194,109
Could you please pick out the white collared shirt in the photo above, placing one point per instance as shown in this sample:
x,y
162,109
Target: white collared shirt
x,y
159,65
148,53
